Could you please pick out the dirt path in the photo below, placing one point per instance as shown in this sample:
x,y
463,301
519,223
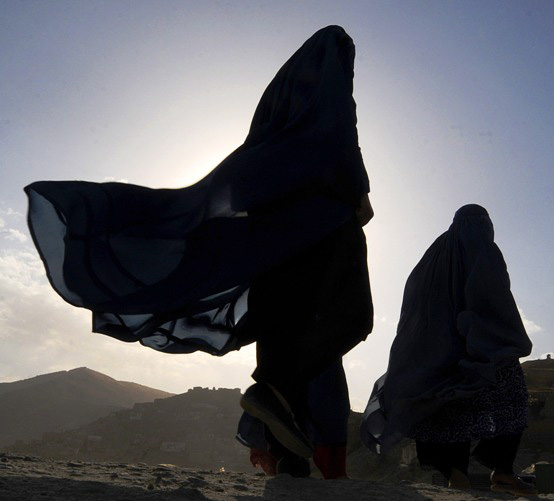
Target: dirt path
x,y
27,478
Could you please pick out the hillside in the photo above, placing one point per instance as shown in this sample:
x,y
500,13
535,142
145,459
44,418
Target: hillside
x,y
539,375
195,429
64,400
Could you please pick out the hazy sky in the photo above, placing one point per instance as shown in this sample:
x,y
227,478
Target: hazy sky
x,y
455,106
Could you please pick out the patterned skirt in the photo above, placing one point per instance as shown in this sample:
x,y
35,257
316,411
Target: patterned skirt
x,y
500,410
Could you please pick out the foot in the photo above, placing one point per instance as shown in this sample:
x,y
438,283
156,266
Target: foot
x,y
265,460
510,483
458,480
331,461
262,402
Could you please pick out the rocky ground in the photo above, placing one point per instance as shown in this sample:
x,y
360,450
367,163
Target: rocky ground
x,y
29,478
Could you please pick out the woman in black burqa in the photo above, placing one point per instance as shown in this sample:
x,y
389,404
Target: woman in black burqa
x,y
268,247
454,374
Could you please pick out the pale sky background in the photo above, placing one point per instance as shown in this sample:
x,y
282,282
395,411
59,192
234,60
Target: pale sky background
x,y
455,106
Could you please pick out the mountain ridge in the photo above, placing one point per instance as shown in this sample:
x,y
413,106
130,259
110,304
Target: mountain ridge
x,y
63,400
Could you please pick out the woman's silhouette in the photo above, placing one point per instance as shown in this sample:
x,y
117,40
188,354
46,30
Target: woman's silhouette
x,y
454,374
268,247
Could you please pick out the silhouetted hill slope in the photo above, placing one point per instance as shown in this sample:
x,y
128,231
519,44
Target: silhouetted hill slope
x,y
195,429
539,374
64,400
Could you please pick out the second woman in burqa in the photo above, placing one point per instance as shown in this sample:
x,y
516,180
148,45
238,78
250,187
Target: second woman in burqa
x,y
454,374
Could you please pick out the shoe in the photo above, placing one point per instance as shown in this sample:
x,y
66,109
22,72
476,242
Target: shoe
x,y
511,484
265,460
293,465
261,401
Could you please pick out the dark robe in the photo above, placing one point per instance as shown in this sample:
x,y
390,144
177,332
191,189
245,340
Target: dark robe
x,y
325,418
458,325
172,268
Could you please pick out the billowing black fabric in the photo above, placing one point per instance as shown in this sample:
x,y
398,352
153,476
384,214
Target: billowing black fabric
x,y
172,268
459,323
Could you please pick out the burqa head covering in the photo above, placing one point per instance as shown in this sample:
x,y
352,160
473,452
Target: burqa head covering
x,y
172,268
458,324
